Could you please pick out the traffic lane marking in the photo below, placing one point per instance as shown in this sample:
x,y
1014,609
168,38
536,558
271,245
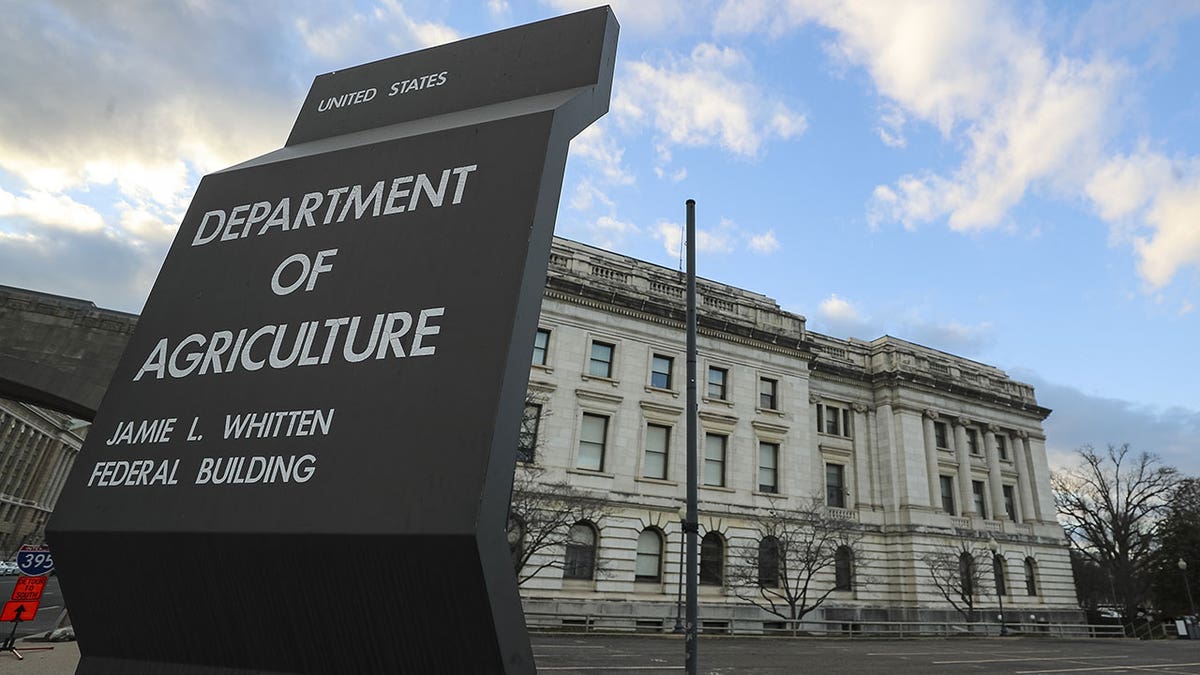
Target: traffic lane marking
x,y
1034,658
1144,668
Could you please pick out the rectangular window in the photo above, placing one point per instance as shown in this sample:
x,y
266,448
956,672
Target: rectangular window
x,y
768,393
973,441
718,380
1010,503
948,494
655,463
768,467
833,420
942,435
593,434
660,371
835,485
980,498
527,439
1002,446
600,363
714,459
541,344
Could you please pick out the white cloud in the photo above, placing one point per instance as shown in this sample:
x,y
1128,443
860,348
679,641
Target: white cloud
x,y
764,243
704,99
835,308
498,8
342,36
1027,117
643,16
52,210
601,153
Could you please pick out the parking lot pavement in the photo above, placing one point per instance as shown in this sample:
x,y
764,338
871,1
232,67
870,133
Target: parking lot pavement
x,y
654,655
648,655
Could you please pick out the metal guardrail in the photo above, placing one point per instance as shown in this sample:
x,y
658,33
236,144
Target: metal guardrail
x,y
628,623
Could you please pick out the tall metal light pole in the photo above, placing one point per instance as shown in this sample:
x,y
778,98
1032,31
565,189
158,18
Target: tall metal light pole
x,y
998,577
692,524
1183,570
682,555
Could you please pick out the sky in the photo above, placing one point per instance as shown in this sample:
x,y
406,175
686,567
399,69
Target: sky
x,y
1014,182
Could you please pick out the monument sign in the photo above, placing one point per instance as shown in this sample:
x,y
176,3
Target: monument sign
x,y
306,452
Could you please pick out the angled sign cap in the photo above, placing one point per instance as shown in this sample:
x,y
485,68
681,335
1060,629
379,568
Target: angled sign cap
x,y
333,363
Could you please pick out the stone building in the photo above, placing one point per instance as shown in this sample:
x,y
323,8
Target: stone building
x,y
918,450
37,449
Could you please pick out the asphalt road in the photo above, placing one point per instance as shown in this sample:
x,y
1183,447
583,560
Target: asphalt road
x,y
599,655
48,611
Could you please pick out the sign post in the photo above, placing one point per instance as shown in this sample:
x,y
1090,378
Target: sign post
x,y
334,357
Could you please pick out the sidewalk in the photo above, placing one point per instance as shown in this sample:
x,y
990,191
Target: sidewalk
x,y
58,661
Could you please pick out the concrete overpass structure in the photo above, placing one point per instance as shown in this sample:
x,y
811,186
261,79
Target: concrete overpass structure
x,y
59,352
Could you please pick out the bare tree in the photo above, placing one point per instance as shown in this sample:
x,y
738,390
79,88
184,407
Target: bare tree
x,y
541,512
540,516
1112,505
784,567
957,570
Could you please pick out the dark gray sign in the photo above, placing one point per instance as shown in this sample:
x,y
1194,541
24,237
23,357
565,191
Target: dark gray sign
x,y
304,459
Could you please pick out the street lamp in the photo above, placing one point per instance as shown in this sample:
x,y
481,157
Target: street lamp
x,y
1183,570
998,577
682,552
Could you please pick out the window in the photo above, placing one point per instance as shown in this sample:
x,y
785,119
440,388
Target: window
x,y
835,485
541,344
580,560
973,441
843,569
515,533
660,371
833,420
655,464
592,436
649,556
714,459
998,569
712,560
768,393
948,494
718,380
527,438
1002,446
601,361
942,435
980,498
768,467
1010,503
966,573
1030,577
768,562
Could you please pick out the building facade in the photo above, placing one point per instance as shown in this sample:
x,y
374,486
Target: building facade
x,y
37,449
917,450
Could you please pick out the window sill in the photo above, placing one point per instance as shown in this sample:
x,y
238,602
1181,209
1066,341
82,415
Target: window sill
x,y
542,367
659,390
647,586
588,472
776,412
718,401
717,488
771,495
828,435
656,481
587,378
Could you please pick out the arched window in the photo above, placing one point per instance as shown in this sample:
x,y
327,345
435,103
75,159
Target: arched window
x,y
516,540
649,556
966,573
1000,572
768,562
712,560
580,560
1030,576
843,569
